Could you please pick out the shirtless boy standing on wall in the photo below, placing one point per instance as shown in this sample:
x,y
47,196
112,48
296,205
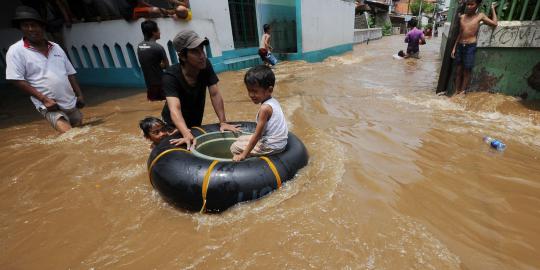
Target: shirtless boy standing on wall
x,y
465,47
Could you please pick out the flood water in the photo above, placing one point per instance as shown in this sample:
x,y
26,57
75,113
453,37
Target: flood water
x,y
398,178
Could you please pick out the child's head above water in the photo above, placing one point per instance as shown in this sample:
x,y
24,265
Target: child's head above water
x,y
153,129
260,81
401,53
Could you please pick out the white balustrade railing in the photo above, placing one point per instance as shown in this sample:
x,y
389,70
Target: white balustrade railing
x,y
113,44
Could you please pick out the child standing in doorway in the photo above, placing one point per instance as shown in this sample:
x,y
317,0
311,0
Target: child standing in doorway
x,y
464,49
271,132
265,50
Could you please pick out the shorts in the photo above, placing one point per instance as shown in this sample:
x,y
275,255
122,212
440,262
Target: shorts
x,y
413,54
465,55
155,93
263,52
73,116
259,150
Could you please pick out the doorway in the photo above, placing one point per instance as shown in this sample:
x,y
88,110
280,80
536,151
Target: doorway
x,y
244,23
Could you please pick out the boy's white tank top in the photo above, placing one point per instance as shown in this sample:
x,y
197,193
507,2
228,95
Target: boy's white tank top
x,y
276,131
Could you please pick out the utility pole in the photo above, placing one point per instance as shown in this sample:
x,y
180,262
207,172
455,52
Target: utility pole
x,y
420,14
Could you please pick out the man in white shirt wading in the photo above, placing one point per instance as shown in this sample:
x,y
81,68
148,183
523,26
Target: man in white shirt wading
x,y
42,69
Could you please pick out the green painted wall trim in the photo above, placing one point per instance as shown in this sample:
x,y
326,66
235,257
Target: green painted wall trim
x,y
505,70
317,56
219,62
289,56
452,10
289,3
299,47
239,52
110,77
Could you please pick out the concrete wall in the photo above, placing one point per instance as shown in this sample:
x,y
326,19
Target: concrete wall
x,y
104,53
443,31
216,11
381,19
506,57
213,10
505,71
510,34
123,33
326,24
364,35
361,21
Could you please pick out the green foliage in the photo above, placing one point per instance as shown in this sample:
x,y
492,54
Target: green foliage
x,y
387,29
371,21
504,12
427,7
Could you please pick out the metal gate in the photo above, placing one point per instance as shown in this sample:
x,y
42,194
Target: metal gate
x,y
244,23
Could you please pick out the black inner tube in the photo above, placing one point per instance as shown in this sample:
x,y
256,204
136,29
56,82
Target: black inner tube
x,y
208,184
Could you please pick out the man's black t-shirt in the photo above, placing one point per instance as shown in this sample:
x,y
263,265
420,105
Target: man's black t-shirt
x,y
150,56
192,98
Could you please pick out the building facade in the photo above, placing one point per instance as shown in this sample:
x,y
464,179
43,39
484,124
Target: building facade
x,y
104,53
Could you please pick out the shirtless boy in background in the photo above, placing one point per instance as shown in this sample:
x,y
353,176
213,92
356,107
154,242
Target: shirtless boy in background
x,y
465,47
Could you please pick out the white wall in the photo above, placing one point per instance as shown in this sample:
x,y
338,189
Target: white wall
x,y
365,35
218,12
122,32
510,34
326,23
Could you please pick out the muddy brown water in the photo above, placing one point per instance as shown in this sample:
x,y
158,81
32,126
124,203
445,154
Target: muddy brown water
x,y
398,178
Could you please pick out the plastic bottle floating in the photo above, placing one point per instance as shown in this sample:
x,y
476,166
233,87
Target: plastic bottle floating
x,y
494,143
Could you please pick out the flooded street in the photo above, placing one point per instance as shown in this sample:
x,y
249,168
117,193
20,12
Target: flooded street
x,y
399,178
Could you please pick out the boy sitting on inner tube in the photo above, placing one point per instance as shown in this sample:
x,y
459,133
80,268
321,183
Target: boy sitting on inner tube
x,y
271,132
155,130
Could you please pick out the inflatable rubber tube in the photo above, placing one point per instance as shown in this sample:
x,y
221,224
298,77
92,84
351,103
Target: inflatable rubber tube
x,y
209,184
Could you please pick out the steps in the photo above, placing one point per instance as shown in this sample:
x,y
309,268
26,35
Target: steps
x,y
242,62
